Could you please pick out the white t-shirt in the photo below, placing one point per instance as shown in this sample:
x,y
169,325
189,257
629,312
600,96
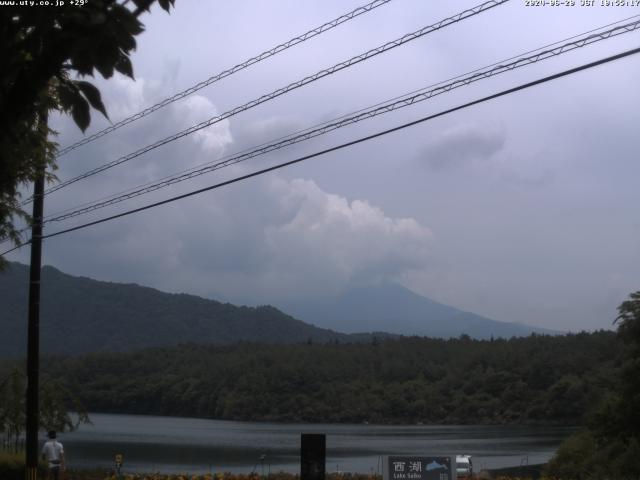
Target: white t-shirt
x,y
53,452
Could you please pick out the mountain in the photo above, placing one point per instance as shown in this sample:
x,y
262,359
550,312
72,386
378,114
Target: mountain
x,y
392,308
83,315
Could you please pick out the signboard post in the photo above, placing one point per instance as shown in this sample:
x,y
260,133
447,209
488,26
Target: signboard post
x,y
119,459
419,468
313,453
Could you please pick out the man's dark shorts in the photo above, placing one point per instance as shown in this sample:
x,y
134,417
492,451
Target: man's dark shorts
x,y
55,472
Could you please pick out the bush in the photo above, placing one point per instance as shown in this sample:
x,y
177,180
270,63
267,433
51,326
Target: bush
x,y
573,458
581,458
12,466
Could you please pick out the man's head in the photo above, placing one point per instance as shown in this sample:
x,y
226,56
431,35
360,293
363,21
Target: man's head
x,y
51,434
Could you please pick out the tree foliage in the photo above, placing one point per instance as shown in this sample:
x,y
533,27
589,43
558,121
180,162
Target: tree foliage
x,y
122,315
609,446
55,403
537,379
44,53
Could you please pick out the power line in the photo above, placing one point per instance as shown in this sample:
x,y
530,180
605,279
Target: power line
x,y
281,91
226,73
354,142
15,248
353,117
395,104
209,166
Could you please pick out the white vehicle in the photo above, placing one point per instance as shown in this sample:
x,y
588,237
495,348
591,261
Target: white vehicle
x,y
464,466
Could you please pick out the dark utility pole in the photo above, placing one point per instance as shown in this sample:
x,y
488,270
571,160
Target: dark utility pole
x,y
33,341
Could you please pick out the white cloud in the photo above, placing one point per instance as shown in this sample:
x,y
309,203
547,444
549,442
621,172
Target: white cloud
x,y
329,239
267,130
124,97
196,109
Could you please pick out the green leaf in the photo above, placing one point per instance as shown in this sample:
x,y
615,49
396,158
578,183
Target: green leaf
x,y
126,41
143,4
105,57
82,61
92,94
166,4
123,28
124,66
127,20
80,113
97,18
66,95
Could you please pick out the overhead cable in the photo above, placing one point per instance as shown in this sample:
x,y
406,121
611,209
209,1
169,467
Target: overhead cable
x,y
353,142
230,71
281,91
392,105
170,178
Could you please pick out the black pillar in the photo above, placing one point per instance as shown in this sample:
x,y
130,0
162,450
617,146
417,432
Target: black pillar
x,y
313,453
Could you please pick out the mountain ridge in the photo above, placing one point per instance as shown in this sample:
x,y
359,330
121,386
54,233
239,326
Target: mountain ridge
x,y
81,315
395,309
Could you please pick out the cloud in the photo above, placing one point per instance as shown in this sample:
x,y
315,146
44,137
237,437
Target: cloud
x,y
266,130
522,183
342,242
195,109
529,180
124,96
205,145
461,145
260,242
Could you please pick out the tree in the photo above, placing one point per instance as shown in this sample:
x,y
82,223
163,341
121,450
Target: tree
x,y
44,54
621,419
12,409
55,401
629,323
609,446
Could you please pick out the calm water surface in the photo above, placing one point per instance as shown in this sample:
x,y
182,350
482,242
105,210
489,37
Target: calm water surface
x,y
188,445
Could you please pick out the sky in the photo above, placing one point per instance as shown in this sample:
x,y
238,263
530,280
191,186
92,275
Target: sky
x,y
521,209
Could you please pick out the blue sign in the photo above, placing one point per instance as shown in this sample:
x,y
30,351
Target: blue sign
x,y
419,468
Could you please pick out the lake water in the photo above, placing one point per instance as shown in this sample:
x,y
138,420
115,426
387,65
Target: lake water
x,y
196,446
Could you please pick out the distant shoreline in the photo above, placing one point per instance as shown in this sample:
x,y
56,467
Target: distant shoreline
x,y
344,423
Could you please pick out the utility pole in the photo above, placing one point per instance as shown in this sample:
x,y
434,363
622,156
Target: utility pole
x,y
33,339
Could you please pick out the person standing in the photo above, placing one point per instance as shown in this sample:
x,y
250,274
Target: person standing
x,y
53,453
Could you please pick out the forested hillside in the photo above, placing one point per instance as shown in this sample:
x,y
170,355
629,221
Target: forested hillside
x,y
81,315
84,315
537,379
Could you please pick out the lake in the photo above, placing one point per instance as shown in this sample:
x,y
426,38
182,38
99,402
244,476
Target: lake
x,y
196,446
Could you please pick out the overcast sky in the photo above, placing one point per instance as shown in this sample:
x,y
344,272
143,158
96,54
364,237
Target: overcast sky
x,y
522,209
